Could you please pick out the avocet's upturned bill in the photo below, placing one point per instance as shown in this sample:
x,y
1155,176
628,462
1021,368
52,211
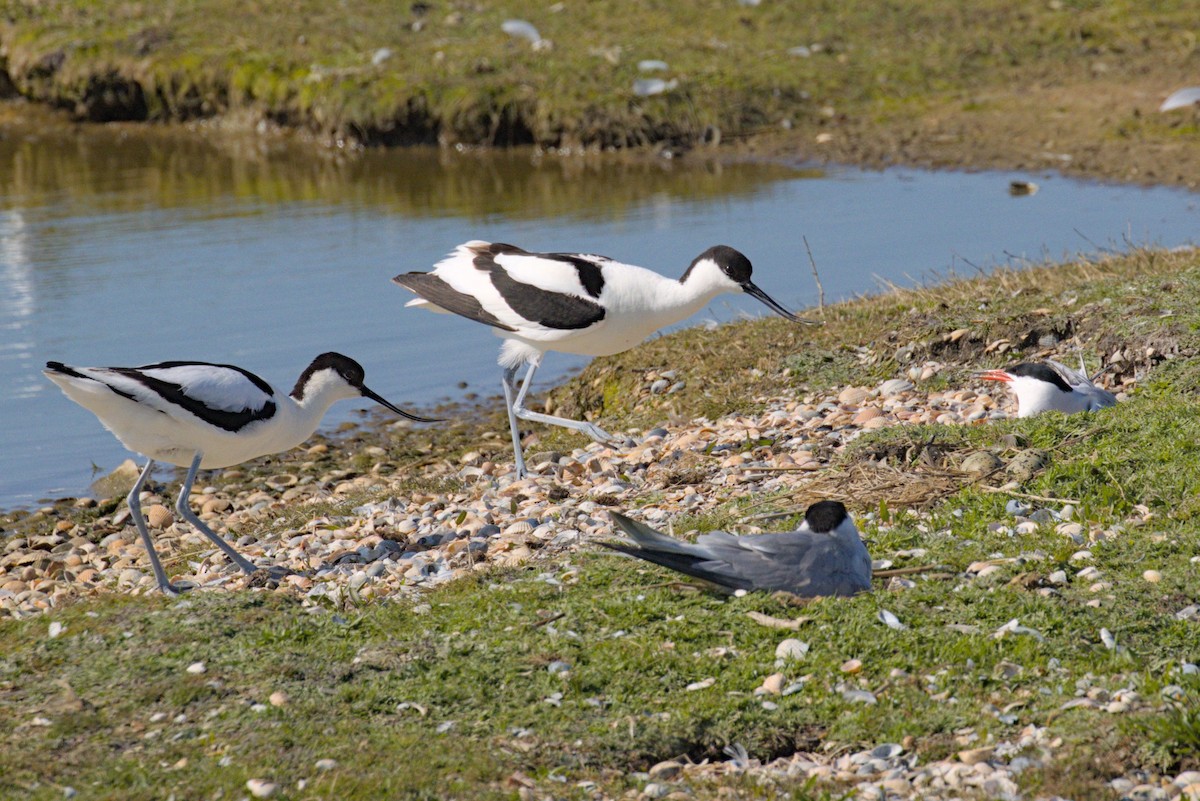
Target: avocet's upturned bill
x,y
198,414
1050,386
824,556
570,302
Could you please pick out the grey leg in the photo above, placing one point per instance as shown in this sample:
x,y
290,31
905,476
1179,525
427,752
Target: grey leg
x,y
186,512
518,408
135,508
510,373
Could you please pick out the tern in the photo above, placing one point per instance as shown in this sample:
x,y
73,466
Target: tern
x,y
824,556
572,303
199,414
1050,386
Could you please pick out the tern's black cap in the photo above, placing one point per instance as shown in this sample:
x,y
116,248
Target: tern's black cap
x,y
824,516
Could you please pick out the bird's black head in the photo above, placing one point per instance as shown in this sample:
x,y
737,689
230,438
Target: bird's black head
x,y
1042,372
350,371
824,516
729,261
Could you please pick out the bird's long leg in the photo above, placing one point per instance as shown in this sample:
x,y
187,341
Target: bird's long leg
x,y
518,407
135,509
186,512
510,373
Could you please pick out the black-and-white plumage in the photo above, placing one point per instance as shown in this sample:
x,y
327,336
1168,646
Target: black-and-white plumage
x,y
570,302
824,556
200,414
1051,386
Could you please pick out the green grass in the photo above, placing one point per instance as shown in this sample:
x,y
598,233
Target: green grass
x,y
447,694
453,76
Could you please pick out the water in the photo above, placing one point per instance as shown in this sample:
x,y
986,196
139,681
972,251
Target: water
x,y
123,249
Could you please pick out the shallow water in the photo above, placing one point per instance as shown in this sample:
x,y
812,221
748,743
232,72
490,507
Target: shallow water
x,y
119,249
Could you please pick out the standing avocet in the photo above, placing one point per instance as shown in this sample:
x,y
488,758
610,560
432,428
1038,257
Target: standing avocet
x,y
1050,386
573,303
197,414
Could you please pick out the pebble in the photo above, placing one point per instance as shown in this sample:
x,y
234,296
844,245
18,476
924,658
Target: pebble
x,y
196,668
261,788
278,698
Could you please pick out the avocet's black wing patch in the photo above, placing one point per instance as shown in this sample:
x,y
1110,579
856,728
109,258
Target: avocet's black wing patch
x,y
551,309
441,294
222,395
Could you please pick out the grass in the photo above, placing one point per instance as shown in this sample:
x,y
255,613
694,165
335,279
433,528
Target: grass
x,y
374,72
459,692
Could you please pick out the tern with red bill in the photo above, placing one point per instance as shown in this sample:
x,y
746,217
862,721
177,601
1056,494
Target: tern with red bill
x,y
573,303
1050,386
199,414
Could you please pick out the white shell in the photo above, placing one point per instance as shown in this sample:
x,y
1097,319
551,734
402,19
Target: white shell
x,y
520,29
1181,99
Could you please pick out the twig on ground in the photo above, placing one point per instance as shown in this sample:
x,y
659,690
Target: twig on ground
x,y
1028,496
904,571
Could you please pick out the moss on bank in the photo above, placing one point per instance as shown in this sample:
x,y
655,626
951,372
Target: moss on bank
x,y
934,80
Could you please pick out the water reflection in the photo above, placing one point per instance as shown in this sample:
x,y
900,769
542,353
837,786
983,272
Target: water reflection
x,y
115,172
17,304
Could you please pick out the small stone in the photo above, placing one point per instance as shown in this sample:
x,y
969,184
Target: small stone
x,y
278,698
261,788
325,764
852,666
772,685
1152,576
860,696
666,771
196,668
975,755
56,629
656,790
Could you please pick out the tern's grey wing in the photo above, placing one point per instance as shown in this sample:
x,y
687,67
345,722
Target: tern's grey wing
x,y
800,562
1097,398
662,550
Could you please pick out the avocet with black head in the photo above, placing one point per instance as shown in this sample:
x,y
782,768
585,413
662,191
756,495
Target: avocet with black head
x,y
1050,386
198,414
570,302
824,556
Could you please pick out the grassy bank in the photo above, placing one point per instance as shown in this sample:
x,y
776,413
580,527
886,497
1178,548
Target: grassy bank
x,y
571,675
1042,85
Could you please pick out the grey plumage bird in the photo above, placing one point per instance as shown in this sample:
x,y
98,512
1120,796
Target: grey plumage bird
x,y
824,556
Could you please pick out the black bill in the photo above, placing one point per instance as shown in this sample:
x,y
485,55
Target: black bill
x,y
753,291
366,393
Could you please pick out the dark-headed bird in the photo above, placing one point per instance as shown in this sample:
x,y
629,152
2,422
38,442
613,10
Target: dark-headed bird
x,y
572,303
199,414
824,556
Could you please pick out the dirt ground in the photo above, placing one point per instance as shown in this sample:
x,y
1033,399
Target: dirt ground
x,y
1107,130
